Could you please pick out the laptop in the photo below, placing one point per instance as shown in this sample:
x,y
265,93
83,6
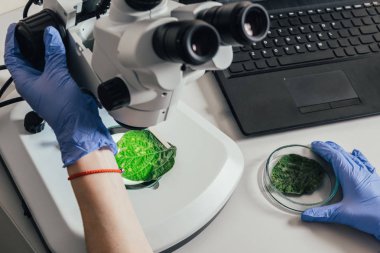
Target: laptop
x,y
319,64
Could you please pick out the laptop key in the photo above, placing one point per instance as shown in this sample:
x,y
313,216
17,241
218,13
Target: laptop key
x,y
374,48
279,42
278,51
362,49
311,47
249,66
354,31
283,32
357,22
304,58
359,13
261,64
326,17
301,39
272,34
255,55
350,51
293,31
354,41
336,16
266,53
305,20
245,48
322,36
339,52
283,23
376,19
289,50
316,19
368,29
315,28
366,39
236,68
346,14
346,23
322,45
344,33
239,57
257,45
333,44
343,42
377,37
300,48
294,21
336,25
290,40
332,35
367,21
325,27
371,11
274,24
312,37
272,62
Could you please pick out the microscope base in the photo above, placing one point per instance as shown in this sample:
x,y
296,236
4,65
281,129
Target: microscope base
x,y
207,169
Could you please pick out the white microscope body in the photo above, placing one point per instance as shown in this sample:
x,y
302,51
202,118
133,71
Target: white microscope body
x,y
123,46
116,58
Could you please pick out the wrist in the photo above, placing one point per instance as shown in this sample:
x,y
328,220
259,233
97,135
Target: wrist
x,y
80,137
97,159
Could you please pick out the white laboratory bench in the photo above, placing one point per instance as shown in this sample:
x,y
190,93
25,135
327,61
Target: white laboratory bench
x,y
250,223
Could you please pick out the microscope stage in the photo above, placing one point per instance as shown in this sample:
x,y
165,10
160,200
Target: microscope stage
x,y
207,169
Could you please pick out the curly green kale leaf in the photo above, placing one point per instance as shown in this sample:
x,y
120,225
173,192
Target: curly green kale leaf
x,y
143,157
295,174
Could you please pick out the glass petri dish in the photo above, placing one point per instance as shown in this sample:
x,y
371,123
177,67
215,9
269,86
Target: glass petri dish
x,y
299,203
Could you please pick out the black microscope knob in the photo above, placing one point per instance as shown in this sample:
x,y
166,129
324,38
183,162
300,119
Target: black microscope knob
x,y
143,5
114,94
33,123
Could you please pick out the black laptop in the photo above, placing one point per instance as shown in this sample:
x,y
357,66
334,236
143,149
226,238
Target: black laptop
x,y
320,63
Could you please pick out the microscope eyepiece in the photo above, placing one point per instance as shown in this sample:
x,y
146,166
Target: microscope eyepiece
x,y
238,23
143,5
193,42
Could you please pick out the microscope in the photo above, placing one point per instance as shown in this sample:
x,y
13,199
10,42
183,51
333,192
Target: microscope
x,y
134,57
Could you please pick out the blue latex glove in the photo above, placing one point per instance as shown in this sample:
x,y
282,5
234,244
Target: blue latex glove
x,y
360,207
54,95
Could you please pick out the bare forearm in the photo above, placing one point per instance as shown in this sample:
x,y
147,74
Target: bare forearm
x,y
109,220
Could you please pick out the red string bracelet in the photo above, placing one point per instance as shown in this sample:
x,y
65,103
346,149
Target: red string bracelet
x,y
89,172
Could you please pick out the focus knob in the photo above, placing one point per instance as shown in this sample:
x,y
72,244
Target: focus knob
x,y
143,5
114,94
33,123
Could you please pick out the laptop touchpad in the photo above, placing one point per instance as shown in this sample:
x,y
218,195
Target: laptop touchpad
x,y
321,91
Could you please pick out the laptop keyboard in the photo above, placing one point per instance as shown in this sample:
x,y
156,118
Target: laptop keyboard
x,y
312,36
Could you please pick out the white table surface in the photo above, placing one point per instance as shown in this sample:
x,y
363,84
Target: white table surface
x,y
249,223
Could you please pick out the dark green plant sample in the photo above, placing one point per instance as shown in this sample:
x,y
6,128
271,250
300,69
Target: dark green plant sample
x,y
297,175
143,157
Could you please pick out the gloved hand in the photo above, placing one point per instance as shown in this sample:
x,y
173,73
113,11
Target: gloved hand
x,y
360,207
54,95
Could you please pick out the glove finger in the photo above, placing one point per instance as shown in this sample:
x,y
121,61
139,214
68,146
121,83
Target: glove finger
x,y
359,155
335,157
322,214
360,164
55,53
13,58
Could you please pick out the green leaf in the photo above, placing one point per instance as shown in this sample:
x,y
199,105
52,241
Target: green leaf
x,y
143,157
295,174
